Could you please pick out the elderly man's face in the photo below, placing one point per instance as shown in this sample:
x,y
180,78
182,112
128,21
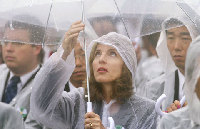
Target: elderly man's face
x,y
178,41
79,73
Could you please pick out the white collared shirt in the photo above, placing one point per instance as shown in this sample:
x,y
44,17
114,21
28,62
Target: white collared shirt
x,y
181,83
23,79
106,112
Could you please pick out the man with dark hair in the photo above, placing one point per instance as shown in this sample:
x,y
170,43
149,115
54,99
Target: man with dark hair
x,y
22,62
172,49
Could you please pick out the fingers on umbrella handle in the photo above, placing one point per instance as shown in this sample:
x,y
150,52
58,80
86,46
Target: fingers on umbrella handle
x,y
158,105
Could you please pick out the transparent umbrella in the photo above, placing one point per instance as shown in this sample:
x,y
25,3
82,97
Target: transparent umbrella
x,y
54,16
191,9
133,18
143,17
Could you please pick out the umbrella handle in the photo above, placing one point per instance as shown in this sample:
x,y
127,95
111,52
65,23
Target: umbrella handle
x,y
112,123
158,105
89,106
159,102
110,119
182,101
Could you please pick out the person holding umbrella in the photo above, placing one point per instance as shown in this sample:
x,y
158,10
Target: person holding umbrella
x,y
189,116
112,71
172,49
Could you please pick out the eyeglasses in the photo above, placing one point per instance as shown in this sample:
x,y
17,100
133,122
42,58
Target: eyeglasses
x,y
14,43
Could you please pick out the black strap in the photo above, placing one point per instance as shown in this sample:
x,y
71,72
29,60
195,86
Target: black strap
x,y
31,78
176,87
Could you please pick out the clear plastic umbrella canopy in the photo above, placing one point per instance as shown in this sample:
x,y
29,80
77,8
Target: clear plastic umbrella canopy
x,y
133,18
53,16
192,10
144,17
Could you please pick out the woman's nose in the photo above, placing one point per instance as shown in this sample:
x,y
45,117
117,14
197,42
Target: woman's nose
x,y
102,58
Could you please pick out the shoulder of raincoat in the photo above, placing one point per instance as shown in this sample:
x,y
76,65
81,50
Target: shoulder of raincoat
x,y
155,87
151,69
10,118
163,84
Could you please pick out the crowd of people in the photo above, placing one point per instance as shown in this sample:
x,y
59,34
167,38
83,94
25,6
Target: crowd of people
x,y
125,78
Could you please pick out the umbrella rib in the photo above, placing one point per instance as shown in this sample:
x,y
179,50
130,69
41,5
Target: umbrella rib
x,y
182,8
47,23
122,19
86,62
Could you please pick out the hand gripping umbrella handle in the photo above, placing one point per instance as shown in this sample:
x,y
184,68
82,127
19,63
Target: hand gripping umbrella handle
x,y
110,119
89,106
158,105
159,102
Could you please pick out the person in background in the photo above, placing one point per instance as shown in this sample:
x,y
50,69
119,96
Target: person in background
x,y
76,80
22,62
150,67
188,117
172,49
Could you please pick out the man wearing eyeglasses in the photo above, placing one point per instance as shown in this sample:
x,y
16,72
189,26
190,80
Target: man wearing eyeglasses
x,y
22,62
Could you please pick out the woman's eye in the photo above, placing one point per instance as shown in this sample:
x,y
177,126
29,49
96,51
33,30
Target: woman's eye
x,y
113,53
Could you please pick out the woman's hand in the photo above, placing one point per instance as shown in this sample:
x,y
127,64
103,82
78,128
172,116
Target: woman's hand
x,y
93,121
174,106
71,38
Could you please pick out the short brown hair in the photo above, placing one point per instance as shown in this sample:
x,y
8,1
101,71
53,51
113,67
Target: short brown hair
x,y
122,88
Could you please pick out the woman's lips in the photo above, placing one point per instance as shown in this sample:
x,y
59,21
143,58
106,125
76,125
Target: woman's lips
x,y
102,70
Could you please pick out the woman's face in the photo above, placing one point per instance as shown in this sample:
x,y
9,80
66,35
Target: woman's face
x,y
107,64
